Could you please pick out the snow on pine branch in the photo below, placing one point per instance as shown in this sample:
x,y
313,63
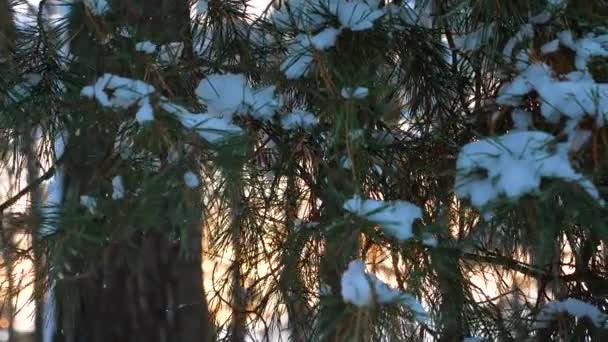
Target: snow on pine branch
x,y
395,218
167,54
299,118
572,96
98,7
363,290
512,166
209,127
319,16
127,92
229,94
574,307
225,96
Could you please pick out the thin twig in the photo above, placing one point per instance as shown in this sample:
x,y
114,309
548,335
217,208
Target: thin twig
x,y
8,203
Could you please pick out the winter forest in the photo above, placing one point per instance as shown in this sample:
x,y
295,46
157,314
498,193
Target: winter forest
x,y
303,170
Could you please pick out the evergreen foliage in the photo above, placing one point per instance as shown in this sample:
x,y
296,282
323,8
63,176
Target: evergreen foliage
x,y
353,170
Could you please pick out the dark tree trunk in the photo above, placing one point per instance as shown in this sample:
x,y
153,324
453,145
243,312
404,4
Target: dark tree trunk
x,y
158,295
7,31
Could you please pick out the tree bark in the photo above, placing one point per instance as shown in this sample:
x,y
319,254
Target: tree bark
x,y
161,298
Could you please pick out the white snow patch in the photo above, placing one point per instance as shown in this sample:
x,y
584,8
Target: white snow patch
x,y
210,128
354,93
169,54
363,290
522,120
228,94
571,98
525,32
191,180
357,15
299,119
146,47
125,91
299,57
89,202
476,39
145,113
550,47
98,7
118,189
573,307
394,217
512,166
325,39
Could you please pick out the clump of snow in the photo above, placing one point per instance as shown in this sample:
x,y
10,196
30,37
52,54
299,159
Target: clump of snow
x,y
512,166
223,94
522,120
118,189
394,217
299,58
575,97
573,307
429,240
209,127
408,15
202,6
363,290
550,47
584,48
98,7
146,47
191,180
303,14
145,113
125,91
346,163
590,46
89,202
22,90
354,93
169,54
299,119
229,94
474,40
525,32
307,17
325,39
357,15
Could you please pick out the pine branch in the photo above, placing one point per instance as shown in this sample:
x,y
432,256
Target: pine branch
x,y
48,174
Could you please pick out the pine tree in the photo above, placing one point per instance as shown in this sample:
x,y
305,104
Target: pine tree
x,y
362,170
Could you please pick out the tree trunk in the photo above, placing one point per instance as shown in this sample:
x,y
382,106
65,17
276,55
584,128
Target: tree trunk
x,y
238,297
159,296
